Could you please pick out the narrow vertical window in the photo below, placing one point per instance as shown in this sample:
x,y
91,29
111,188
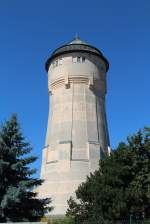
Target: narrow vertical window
x,y
60,61
78,59
83,59
74,59
56,62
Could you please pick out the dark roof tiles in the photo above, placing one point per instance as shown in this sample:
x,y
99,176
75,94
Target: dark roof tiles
x,y
76,45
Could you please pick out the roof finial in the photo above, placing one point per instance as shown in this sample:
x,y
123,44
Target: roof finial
x,y
77,36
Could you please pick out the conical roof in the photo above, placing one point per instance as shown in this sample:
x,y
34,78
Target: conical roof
x,y
77,40
76,45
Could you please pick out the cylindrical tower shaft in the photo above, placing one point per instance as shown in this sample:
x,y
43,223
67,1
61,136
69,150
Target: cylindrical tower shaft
x,y
77,133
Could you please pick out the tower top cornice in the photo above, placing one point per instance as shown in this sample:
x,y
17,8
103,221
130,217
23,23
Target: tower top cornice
x,y
76,45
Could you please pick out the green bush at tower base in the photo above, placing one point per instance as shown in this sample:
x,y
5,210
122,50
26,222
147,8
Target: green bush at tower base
x,y
59,220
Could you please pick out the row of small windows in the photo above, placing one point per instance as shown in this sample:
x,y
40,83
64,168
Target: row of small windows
x,y
78,59
74,60
57,62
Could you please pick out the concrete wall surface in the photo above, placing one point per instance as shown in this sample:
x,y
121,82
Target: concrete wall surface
x,y
77,132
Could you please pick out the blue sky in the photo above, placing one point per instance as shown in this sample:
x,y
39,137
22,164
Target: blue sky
x,y
31,29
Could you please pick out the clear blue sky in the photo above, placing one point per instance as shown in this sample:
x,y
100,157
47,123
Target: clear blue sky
x,y
31,29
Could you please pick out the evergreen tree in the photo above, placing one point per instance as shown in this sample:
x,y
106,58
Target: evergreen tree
x,y
18,201
121,186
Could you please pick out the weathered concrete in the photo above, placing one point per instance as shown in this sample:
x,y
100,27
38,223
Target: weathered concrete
x,y
77,133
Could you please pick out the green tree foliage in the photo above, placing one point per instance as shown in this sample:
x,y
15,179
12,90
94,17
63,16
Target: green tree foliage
x,y
18,201
56,220
120,187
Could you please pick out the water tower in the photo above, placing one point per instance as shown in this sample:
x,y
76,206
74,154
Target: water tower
x,y
77,133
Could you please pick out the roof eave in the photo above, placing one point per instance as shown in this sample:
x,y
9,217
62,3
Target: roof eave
x,y
70,51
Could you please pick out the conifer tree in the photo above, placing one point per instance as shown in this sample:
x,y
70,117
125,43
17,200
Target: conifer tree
x,y
18,201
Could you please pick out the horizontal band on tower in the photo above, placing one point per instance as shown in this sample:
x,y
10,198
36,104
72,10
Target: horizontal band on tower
x,y
89,80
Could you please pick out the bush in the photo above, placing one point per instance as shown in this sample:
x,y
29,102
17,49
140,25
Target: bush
x,y
65,220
